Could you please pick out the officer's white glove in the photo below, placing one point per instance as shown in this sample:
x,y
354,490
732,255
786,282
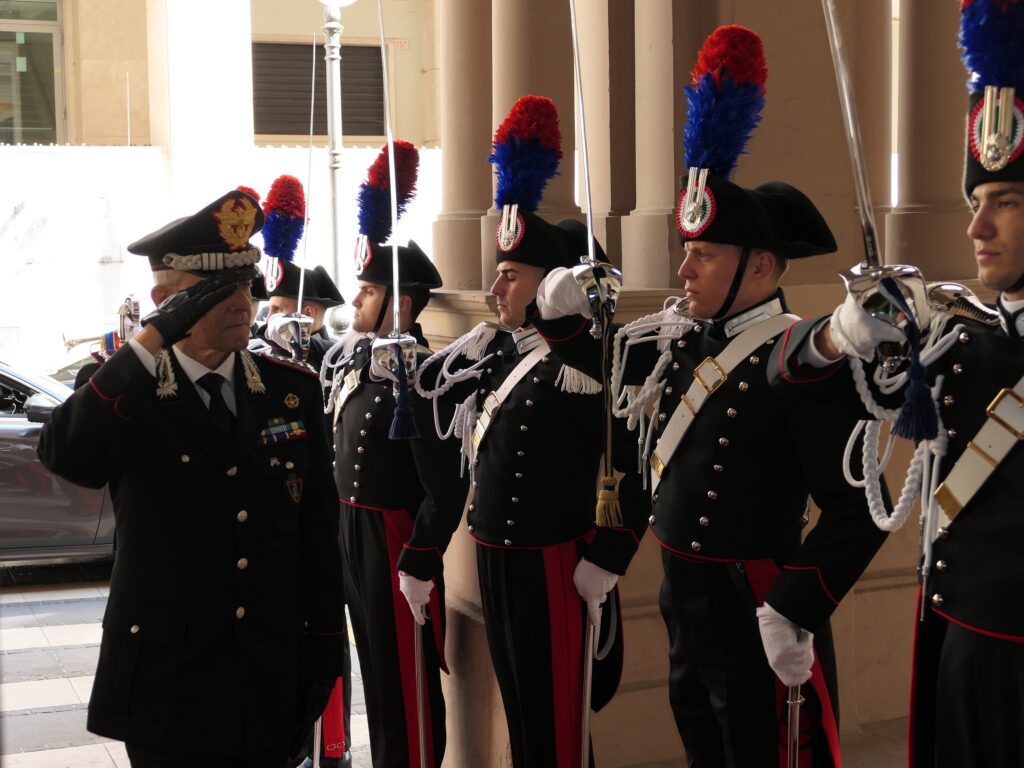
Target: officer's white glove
x,y
856,333
559,295
593,583
788,647
417,594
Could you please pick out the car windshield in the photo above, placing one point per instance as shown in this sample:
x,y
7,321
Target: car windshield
x,y
51,386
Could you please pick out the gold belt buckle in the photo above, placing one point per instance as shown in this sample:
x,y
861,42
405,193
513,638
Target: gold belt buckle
x,y
991,411
657,465
716,368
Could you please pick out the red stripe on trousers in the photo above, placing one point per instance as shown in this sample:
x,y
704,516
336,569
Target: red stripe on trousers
x,y
565,609
335,743
762,574
397,529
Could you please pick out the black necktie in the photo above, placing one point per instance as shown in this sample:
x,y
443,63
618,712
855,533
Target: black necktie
x,y
220,414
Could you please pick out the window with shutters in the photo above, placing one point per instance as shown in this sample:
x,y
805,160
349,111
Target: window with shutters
x,y
281,90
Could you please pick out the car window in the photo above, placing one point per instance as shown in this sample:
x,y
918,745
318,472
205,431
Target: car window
x,y
12,398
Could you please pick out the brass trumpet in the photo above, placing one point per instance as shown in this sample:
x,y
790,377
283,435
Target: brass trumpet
x,y
127,326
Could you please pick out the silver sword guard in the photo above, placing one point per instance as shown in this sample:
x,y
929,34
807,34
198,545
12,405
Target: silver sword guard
x,y
291,332
602,284
391,351
862,282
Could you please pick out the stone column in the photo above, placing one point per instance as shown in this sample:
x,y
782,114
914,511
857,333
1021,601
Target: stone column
x,y
465,119
209,132
927,228
532,53
648,231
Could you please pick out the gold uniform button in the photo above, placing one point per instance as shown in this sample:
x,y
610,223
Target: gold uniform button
x,y
232,471
239,612
243,563
185,458
135,629
289,465
242,515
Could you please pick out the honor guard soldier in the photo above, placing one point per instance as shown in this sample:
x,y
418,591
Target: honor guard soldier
x,y
222,631
531,434
732,464
285,211
400,498
967,687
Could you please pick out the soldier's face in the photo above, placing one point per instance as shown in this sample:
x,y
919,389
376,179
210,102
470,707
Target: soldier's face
x,y
366,308
709,268
225,328
515,287
997,230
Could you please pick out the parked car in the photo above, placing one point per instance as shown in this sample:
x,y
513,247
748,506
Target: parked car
x,y
43,516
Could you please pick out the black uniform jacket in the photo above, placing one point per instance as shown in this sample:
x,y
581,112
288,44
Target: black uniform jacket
x,y
537,468
227,574
977,572
737,485
420,475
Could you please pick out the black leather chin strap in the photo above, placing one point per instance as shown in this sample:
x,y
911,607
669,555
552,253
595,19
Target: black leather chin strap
x,y
737,280
383,311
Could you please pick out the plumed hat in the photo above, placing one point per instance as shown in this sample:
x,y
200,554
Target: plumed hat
x,y
724,101
526,150
374,261
992,43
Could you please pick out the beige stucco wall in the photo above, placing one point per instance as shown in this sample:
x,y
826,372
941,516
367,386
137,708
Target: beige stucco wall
x,y
106,73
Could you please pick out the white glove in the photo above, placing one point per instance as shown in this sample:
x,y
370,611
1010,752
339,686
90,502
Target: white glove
x,y
417,594
593,583
559,295
788,647
856,333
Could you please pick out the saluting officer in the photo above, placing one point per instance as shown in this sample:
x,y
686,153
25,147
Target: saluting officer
x,y
967,694
745,601
222,631
531,430
400,498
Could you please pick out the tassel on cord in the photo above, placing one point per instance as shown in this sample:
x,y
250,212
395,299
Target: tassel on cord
x,y
609,511
403,426
917,420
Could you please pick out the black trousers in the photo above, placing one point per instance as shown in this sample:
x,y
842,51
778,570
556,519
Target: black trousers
x,y
722,691
534,620
383,627
978,703
141,757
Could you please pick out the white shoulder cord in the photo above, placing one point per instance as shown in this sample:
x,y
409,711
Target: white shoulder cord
x,y
670,326
472,346
337,356
922,473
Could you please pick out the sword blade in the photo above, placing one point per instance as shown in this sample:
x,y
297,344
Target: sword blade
x,y
420,715
588,674
872,254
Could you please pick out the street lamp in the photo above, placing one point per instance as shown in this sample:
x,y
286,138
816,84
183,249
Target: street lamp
x,y
332,57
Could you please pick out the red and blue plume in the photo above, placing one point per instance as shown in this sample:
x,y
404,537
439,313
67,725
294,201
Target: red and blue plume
x,y
249,191
285,212
991,36
527,149
725,99
375,193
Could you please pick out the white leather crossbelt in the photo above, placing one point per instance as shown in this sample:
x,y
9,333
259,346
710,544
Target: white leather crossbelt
x,y
1001,431
493,401
707,378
